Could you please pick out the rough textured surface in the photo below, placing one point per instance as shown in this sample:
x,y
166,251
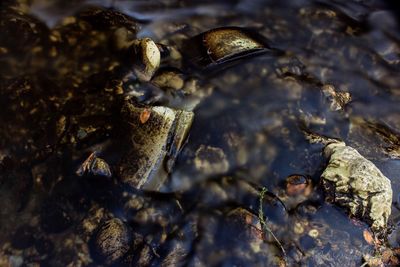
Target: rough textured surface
x,y
226,42
112,241
354,182
218,46
154,144
149,59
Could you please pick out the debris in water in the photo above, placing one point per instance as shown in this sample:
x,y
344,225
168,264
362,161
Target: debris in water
x,y
95,166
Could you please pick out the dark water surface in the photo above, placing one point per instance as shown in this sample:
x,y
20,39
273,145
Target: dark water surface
x,y
62,87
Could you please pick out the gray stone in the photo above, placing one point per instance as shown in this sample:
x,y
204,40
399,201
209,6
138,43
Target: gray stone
x,y
354,182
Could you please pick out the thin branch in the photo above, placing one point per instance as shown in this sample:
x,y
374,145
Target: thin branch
x,y
265,226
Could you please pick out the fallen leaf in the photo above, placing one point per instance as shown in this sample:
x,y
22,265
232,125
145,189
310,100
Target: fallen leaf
x,y
368,237
145,115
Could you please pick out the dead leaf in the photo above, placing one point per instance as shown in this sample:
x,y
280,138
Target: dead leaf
x,y
368,237
145,115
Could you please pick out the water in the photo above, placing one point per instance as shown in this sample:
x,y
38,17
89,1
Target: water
x,y
60,103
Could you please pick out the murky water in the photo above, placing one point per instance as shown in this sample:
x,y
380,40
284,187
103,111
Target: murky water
x,y
332,69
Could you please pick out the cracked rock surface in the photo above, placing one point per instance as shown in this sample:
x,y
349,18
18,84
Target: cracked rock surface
x,y
354,182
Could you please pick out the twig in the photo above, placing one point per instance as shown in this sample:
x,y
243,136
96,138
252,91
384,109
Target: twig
x,y
265,226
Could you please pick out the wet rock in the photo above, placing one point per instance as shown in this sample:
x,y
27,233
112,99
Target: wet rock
x,y
147,59
107,18
298,184
354,182
181,90
112,241
227,42
315,138
91,222
124,38
154,144
169,79
223,45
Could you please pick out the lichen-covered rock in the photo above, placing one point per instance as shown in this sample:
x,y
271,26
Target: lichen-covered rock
x,y
354,182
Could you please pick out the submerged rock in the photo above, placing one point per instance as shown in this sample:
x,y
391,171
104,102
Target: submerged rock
x,y
298,185
211,160
354,182
169,79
